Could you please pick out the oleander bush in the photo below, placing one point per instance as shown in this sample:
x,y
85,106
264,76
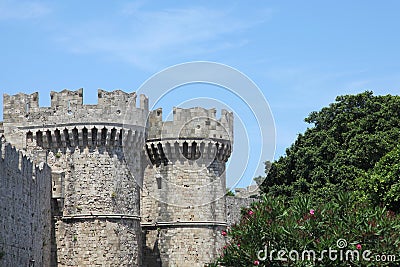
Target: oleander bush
x,y
305,223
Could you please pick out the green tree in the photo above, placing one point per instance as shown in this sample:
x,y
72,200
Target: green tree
x,y
260,179
382,184
345,141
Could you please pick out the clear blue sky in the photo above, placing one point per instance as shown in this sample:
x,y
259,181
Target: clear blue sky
x,y
300,53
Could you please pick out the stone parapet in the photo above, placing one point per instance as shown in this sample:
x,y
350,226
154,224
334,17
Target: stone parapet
x,y
192,123
115,110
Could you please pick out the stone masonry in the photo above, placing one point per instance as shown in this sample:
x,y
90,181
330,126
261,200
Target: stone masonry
x,y
111,184
25,221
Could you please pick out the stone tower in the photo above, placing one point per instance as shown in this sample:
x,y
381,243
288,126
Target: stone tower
x,y
95,187
183,203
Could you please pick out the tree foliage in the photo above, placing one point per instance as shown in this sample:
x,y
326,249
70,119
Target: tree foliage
x,y
344,143
382,183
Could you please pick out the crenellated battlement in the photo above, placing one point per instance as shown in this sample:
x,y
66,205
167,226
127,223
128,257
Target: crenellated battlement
x,y
68,118
192,123
66,99
19,105
68,105
18,160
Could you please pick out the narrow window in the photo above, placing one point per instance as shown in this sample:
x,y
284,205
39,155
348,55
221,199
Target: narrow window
x,y
69,111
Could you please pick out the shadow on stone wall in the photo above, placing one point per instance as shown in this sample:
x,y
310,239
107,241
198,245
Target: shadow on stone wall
x,y
151,256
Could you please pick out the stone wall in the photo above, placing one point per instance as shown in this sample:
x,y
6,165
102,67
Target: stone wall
x,y
242,199
234,205
99,221
25,219
177,194
183,215
182,245
98,241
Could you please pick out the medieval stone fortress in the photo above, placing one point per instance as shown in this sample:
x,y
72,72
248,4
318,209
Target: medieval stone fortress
x,y
112,184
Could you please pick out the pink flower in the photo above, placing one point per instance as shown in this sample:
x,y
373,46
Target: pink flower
x,y
225,247
358,246
256,262
238,245
223,233
312,211
251,212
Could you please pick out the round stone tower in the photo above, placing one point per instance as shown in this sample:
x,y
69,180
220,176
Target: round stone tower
x,y
96,196
183,200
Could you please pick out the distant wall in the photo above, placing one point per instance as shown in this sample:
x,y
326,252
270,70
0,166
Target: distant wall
x,y
234,206
25,220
